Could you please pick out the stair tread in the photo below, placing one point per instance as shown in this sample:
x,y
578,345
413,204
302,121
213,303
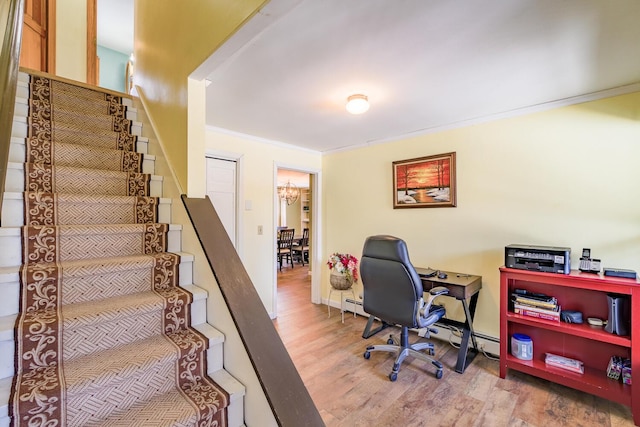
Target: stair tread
x,y
93,312
20,166
116,364
6,272
127,359
22,141
88,198
84,228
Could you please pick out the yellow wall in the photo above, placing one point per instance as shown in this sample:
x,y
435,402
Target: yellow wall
x,y
71,39
171,40
260,162
566,177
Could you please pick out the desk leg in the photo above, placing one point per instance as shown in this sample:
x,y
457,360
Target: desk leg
x,y
465,354
367,329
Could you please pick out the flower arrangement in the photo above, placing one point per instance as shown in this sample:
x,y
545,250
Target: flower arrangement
x,y
346,264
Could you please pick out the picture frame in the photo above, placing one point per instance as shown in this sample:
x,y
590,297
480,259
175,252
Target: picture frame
x,y
425,182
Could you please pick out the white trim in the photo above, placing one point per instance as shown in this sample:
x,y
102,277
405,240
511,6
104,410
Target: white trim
x,y
259,139
239,159
315,261
545,106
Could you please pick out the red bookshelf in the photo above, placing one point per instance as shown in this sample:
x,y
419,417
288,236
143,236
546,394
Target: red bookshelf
x,y
586,293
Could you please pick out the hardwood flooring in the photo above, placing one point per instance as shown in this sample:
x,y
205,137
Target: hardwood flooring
x,y
351,391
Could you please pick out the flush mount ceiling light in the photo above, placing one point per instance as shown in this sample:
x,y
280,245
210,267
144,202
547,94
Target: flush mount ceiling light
x,y
357,104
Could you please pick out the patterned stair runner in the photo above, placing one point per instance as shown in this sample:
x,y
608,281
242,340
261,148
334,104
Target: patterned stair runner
x,y
103,336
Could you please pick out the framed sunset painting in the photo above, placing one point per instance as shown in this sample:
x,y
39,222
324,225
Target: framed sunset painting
x,y
425,182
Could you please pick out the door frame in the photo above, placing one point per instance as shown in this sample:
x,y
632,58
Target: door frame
x,y
51,37
315,258
92,42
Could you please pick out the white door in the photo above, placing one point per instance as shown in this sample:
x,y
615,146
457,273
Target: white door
x,y
221,189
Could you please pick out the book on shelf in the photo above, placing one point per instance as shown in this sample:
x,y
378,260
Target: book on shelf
x,y
550,303
564,363
537,312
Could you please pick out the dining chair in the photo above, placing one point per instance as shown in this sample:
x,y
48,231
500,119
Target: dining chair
x,y
285,242
301,248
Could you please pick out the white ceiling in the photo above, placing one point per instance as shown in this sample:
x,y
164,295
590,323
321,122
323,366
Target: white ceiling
x,y
425,65
115,25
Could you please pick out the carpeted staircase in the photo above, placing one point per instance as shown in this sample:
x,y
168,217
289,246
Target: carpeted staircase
x,y
103,329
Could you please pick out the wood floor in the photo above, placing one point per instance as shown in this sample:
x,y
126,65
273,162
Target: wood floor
x,y
351,391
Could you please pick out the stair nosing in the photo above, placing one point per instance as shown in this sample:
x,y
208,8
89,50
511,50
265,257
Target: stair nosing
x,y
20,166
19,195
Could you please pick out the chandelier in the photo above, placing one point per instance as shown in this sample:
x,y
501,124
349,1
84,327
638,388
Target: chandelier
x,y
289,192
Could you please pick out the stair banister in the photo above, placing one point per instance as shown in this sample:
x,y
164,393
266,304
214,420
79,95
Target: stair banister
x,y
287,395
11,12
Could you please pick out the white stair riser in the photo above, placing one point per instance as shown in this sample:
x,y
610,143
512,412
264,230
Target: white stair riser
x,y
11,244
21,108
235,411
15,180
142,146
7,358
22,91
148,164
17,150
19,127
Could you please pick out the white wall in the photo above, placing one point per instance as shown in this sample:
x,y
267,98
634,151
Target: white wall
x,y
565,177
260,162
71,39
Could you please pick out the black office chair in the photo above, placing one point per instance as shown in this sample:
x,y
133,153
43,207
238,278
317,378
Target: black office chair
x,y
393,293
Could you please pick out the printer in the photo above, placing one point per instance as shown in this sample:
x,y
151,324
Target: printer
x,y
548,259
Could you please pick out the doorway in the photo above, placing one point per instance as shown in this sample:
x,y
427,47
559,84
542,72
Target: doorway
x,y
297,214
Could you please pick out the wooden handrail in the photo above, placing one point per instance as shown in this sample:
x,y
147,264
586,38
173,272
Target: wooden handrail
x,y
11,24
286,393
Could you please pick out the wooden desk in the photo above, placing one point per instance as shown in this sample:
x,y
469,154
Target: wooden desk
x,y
463,287
466,289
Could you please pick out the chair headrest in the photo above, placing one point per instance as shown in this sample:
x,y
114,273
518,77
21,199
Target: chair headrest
x,y
386,247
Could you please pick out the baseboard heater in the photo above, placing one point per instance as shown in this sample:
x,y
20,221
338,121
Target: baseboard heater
x,y
476,334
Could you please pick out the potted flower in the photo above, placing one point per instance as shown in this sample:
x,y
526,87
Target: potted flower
x,y
344,270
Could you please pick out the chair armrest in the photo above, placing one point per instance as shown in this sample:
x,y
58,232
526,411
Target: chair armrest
x,y
433,294
439,290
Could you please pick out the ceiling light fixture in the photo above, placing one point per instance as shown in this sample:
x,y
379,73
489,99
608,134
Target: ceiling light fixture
x,y
357,104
